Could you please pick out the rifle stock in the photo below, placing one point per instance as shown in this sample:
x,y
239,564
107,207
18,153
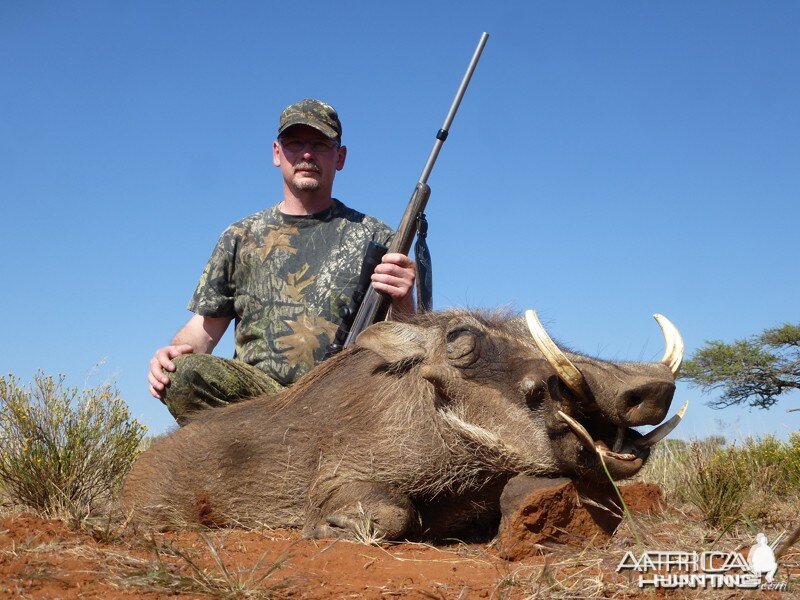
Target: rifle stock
x,y
348,313
374,306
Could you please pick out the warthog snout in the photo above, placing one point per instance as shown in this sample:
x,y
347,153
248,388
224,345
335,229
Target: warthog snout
x,y
646,404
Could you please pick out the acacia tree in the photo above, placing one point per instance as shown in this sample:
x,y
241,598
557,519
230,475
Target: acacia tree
x,y
754,371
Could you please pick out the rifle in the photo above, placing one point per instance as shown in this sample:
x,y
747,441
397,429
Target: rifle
x,y
369,306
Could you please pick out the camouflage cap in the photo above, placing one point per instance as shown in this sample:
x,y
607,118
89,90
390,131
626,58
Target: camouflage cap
x,y
314,113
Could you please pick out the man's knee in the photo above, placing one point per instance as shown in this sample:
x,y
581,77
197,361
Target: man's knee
x,y
202,381
188,389
187,367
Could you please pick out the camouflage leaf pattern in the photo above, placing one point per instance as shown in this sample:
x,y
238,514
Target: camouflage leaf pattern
x,y
283,279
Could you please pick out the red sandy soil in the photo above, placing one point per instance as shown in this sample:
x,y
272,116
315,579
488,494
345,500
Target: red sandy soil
x,y
41,558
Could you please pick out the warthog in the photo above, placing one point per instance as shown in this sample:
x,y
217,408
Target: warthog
x,y
410,434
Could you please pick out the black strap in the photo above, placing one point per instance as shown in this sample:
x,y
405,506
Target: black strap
x,y
422,255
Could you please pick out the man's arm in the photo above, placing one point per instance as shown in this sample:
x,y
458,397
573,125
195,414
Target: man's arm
x,y
199,336
395,277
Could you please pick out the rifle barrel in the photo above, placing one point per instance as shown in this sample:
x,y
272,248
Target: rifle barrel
x,y
441,136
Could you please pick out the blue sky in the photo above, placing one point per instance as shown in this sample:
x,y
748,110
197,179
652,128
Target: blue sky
x,y
610,160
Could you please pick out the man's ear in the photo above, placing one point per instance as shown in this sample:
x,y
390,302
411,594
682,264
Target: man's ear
x,y
395,342
276,154
342,155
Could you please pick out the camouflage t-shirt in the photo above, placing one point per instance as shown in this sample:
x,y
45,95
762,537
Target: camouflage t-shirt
x,y
283,278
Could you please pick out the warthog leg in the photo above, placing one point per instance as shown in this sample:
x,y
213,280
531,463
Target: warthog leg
x,y
363,511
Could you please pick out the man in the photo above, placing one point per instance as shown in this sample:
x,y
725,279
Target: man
x,y
282,274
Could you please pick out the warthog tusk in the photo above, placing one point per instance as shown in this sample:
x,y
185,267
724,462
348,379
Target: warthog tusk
x,y
673,354
579,430
586,438
567,372
662,431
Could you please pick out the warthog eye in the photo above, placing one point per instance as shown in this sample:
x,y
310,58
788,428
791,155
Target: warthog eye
x,y
461,344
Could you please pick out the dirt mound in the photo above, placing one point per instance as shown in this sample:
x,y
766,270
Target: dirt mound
x,y
539,512
643,498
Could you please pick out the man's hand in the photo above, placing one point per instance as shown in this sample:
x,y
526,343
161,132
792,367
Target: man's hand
x,y
162,361
395,277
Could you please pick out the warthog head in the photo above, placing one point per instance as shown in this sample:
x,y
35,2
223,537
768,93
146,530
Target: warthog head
x,y
588,406
599,402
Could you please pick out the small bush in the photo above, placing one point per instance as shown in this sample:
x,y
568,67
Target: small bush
x,y
64,452
771,455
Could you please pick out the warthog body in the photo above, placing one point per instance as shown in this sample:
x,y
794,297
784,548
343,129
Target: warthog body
x,y
411,434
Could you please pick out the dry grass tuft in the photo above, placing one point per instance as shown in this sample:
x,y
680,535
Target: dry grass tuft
x,y
364,530
176,570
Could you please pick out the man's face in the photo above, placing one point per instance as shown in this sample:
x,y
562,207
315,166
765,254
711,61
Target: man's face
x,y
307,158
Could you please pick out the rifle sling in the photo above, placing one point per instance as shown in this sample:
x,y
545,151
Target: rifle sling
x,y
422,256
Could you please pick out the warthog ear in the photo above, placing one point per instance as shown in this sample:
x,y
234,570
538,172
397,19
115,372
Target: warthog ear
x,y
395,342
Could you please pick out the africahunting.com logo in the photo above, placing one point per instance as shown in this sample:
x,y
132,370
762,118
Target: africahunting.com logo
x,y
708,569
